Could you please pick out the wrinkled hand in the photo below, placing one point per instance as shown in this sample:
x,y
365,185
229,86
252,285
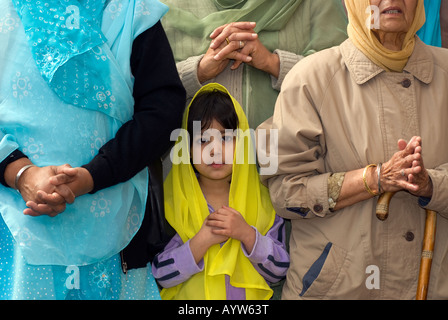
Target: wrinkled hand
x,y
236,42
237,34
244,47
220,53
36,189
209,67
417,175
76,181
405,170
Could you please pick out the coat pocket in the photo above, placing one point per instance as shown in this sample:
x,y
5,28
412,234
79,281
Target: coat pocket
x,y
323,273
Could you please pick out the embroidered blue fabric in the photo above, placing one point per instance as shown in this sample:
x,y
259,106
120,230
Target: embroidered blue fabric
x,y
72,55
65,90
99,281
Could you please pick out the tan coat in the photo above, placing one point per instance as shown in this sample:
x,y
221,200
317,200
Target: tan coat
x,y
337,112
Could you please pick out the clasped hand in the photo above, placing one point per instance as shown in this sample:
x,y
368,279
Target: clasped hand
x,y
236,42
227,223
48,190
406,171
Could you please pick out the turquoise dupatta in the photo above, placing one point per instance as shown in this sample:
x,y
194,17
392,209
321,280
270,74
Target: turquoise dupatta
x,y
65,90
431,33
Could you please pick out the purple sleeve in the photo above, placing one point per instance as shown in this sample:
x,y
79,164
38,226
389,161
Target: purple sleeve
x,y
175,264
269,255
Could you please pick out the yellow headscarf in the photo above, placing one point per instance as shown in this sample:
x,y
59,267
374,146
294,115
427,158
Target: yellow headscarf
x,y
186,210
365,40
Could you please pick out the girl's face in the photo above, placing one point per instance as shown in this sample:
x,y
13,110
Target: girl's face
x,y
217,146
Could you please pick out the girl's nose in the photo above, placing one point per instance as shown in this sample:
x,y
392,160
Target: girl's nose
x,y
215,147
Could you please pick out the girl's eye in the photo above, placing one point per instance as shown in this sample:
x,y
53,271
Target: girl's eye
x,y
201,140
227,138
204,140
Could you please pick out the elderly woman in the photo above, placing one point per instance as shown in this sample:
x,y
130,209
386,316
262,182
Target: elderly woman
x,y
353,122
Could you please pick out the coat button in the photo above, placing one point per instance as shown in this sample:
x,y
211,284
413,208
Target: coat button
x,y
409,236
318,208
406,83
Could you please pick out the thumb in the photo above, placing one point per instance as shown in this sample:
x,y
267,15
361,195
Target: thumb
x,y
402,144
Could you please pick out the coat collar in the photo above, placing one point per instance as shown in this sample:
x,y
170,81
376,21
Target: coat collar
x,y
362,69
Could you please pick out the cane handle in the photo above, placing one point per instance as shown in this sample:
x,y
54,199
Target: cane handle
x,y
382,205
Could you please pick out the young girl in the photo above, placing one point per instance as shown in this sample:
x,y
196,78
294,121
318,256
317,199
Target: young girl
x,y
229,242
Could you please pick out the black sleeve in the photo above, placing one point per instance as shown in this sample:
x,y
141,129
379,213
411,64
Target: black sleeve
x,y
15,155
159,104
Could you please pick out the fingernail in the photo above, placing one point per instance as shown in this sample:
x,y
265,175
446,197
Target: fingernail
x,y
249,58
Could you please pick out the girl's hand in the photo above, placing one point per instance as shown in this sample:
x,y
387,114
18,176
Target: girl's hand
x,y
203,240
230,223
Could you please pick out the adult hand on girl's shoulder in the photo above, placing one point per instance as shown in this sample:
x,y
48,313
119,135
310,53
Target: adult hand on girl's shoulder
x,y
230,223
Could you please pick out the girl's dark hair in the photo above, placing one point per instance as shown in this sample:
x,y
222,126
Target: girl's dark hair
x,y
209,106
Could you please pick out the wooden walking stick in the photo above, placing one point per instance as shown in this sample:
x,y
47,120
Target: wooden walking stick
x,y
427,252
382,212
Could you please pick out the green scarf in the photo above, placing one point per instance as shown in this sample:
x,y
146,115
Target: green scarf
x,y
269,16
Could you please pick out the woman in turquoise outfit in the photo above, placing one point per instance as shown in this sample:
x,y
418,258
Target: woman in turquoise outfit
x,y
71,91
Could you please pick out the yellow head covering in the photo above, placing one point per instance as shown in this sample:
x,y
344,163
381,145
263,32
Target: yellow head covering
x,y
186,210
364,39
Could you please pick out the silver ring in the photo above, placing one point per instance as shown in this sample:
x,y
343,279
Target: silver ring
x,y
402,172
241,44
